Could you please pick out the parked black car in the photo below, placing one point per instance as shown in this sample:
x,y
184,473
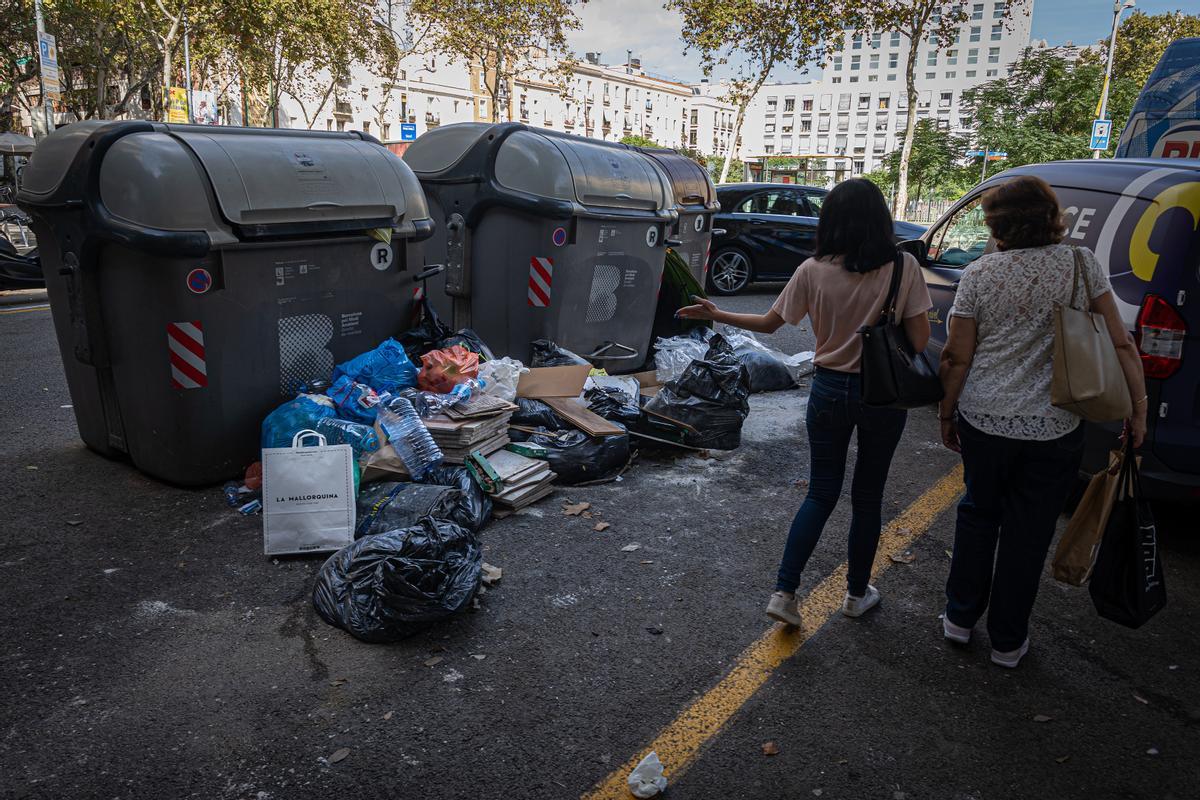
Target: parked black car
x,y
765,230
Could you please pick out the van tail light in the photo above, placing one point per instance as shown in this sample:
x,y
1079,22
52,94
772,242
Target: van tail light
x,y
1160,334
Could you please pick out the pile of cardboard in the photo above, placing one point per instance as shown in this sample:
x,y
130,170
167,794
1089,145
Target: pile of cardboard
x,y
479,425
523,480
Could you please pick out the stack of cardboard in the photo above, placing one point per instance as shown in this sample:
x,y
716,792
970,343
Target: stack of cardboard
x,y
467,429
524,480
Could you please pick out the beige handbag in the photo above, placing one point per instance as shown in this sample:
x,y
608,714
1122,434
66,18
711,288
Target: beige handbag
x,y
1088,379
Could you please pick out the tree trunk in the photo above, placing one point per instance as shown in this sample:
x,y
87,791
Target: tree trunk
x,y
737,131
910,126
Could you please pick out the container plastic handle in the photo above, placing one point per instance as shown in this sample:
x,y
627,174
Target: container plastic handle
x,y
630,352
307,433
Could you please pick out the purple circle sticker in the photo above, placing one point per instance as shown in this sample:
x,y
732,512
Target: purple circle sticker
x,y
559,237
199,281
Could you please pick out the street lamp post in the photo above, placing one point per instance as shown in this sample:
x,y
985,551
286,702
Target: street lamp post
x,y
1118,7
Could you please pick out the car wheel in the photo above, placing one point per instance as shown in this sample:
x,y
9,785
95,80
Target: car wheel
x,y
728,271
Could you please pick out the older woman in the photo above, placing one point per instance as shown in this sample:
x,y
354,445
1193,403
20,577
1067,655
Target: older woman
x,y
1020,454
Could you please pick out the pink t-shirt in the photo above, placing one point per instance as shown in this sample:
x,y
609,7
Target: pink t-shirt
x,y
839,302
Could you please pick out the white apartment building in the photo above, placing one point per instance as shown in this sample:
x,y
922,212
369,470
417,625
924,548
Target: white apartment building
x,y
854,115
710,120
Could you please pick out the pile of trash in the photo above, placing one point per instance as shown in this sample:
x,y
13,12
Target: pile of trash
x,y
398,460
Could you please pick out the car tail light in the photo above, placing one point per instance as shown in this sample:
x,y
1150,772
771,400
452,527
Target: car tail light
x,y
1160,334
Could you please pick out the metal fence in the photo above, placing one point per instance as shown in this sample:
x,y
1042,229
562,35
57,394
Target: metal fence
x,y
925,212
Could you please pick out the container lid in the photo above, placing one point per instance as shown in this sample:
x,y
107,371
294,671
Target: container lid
x,y
611,176
690,182
442,148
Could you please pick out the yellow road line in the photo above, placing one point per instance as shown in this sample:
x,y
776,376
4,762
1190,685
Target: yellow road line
x,y
680,742
24,310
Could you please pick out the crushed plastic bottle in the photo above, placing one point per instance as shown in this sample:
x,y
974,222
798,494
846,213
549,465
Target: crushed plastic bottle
x,y
409,436
361,438
462,392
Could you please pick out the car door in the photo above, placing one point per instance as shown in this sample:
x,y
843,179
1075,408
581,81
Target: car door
x,y
788,232
953,243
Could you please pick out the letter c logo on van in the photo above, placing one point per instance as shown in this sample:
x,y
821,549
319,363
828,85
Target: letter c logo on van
x,y
1168,222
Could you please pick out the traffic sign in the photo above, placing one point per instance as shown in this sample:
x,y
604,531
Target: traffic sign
x,y
408,131
1101,134
992,155
48,57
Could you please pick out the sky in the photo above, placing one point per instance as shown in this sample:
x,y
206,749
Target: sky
x,y
644,26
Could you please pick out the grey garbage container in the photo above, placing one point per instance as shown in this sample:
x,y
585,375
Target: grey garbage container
x,y
545,235
695,201
198,275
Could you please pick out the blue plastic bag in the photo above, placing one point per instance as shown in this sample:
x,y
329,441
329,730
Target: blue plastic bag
x,y
294,416
384,369
356,402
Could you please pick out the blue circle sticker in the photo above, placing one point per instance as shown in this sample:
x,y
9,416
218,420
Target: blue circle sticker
x,y
199,281
559,237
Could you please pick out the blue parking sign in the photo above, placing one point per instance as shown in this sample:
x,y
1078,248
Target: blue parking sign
x,y
1101,134
408,131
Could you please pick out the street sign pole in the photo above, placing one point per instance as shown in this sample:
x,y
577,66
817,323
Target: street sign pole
x,y
1102,111
187,65
41,28
983,173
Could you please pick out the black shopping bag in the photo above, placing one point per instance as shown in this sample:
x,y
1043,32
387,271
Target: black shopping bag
x,y
1127,584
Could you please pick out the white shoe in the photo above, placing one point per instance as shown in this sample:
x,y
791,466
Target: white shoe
x,y
955,633
1013,657
857,606
785,608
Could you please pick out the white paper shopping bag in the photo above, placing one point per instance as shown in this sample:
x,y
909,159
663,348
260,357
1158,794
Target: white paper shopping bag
x,y
308,496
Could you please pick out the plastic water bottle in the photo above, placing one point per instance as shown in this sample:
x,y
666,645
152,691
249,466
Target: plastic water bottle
x,y
462,392
409,436
362,438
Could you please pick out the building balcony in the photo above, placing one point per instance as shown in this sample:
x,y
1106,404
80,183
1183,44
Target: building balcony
x,y
570,123
628,106
432,120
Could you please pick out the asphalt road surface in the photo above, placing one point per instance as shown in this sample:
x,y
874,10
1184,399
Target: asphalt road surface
x,y
151,651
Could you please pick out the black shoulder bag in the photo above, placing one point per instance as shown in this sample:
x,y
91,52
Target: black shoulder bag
x,y
893,376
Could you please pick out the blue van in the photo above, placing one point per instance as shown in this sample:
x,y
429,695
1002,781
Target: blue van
x,y
1165,120
1142,218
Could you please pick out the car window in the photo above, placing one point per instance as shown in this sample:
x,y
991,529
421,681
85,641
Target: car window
x,y
814,202
962,239
786,202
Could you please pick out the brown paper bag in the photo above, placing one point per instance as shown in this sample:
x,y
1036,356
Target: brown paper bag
x,y
1076,553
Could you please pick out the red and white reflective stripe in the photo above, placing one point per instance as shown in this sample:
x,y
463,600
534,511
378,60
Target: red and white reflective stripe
x,y
541,275
418,292
185,341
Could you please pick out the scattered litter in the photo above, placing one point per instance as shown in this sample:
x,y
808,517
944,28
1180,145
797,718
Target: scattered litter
x,y
388,715
30,466
1173,666
68,405
601,526
645,562
818,792
655,631
801,483
629,548
1141,699
574,510
453,676
479,656
339,755
770,749
74,522
647,779
337,681
490,575
949,554
433,662
1153,751
1041,718
1062,759
906,557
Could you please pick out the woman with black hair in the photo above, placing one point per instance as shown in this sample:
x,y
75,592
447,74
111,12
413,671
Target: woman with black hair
x,y
842,288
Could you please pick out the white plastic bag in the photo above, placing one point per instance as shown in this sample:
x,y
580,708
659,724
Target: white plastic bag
x,y
673,355
647,779
502,376
308,496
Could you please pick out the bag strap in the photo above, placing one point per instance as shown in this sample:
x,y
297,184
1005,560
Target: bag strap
x,y
889,305
307,433
1087,284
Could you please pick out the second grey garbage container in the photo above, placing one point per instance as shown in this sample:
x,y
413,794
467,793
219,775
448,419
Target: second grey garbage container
x,y
695,200
545,236
199,275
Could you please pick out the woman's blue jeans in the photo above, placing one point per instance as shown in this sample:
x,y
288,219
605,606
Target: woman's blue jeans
x,y
835,411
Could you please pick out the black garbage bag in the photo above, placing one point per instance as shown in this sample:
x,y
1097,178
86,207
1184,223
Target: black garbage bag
x,y
473,508
470,340
613,404
576,457
711,396
764,371
425,335
388,505
536,414
391,585
548,354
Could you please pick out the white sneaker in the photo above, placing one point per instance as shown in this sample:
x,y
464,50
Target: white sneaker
x,y
1013,657
857,606
955,633
785,608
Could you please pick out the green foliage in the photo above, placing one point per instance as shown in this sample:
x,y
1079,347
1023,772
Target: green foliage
x,y
935,169
736,173
1142,39
635,140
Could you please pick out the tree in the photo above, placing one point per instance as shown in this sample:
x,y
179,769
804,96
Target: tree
x,y
758,36
1043,110
720,170
1142,39
638,141
935,165
936,23
504,39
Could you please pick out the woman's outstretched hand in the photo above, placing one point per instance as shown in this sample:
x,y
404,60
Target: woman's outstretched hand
x,y
702,309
